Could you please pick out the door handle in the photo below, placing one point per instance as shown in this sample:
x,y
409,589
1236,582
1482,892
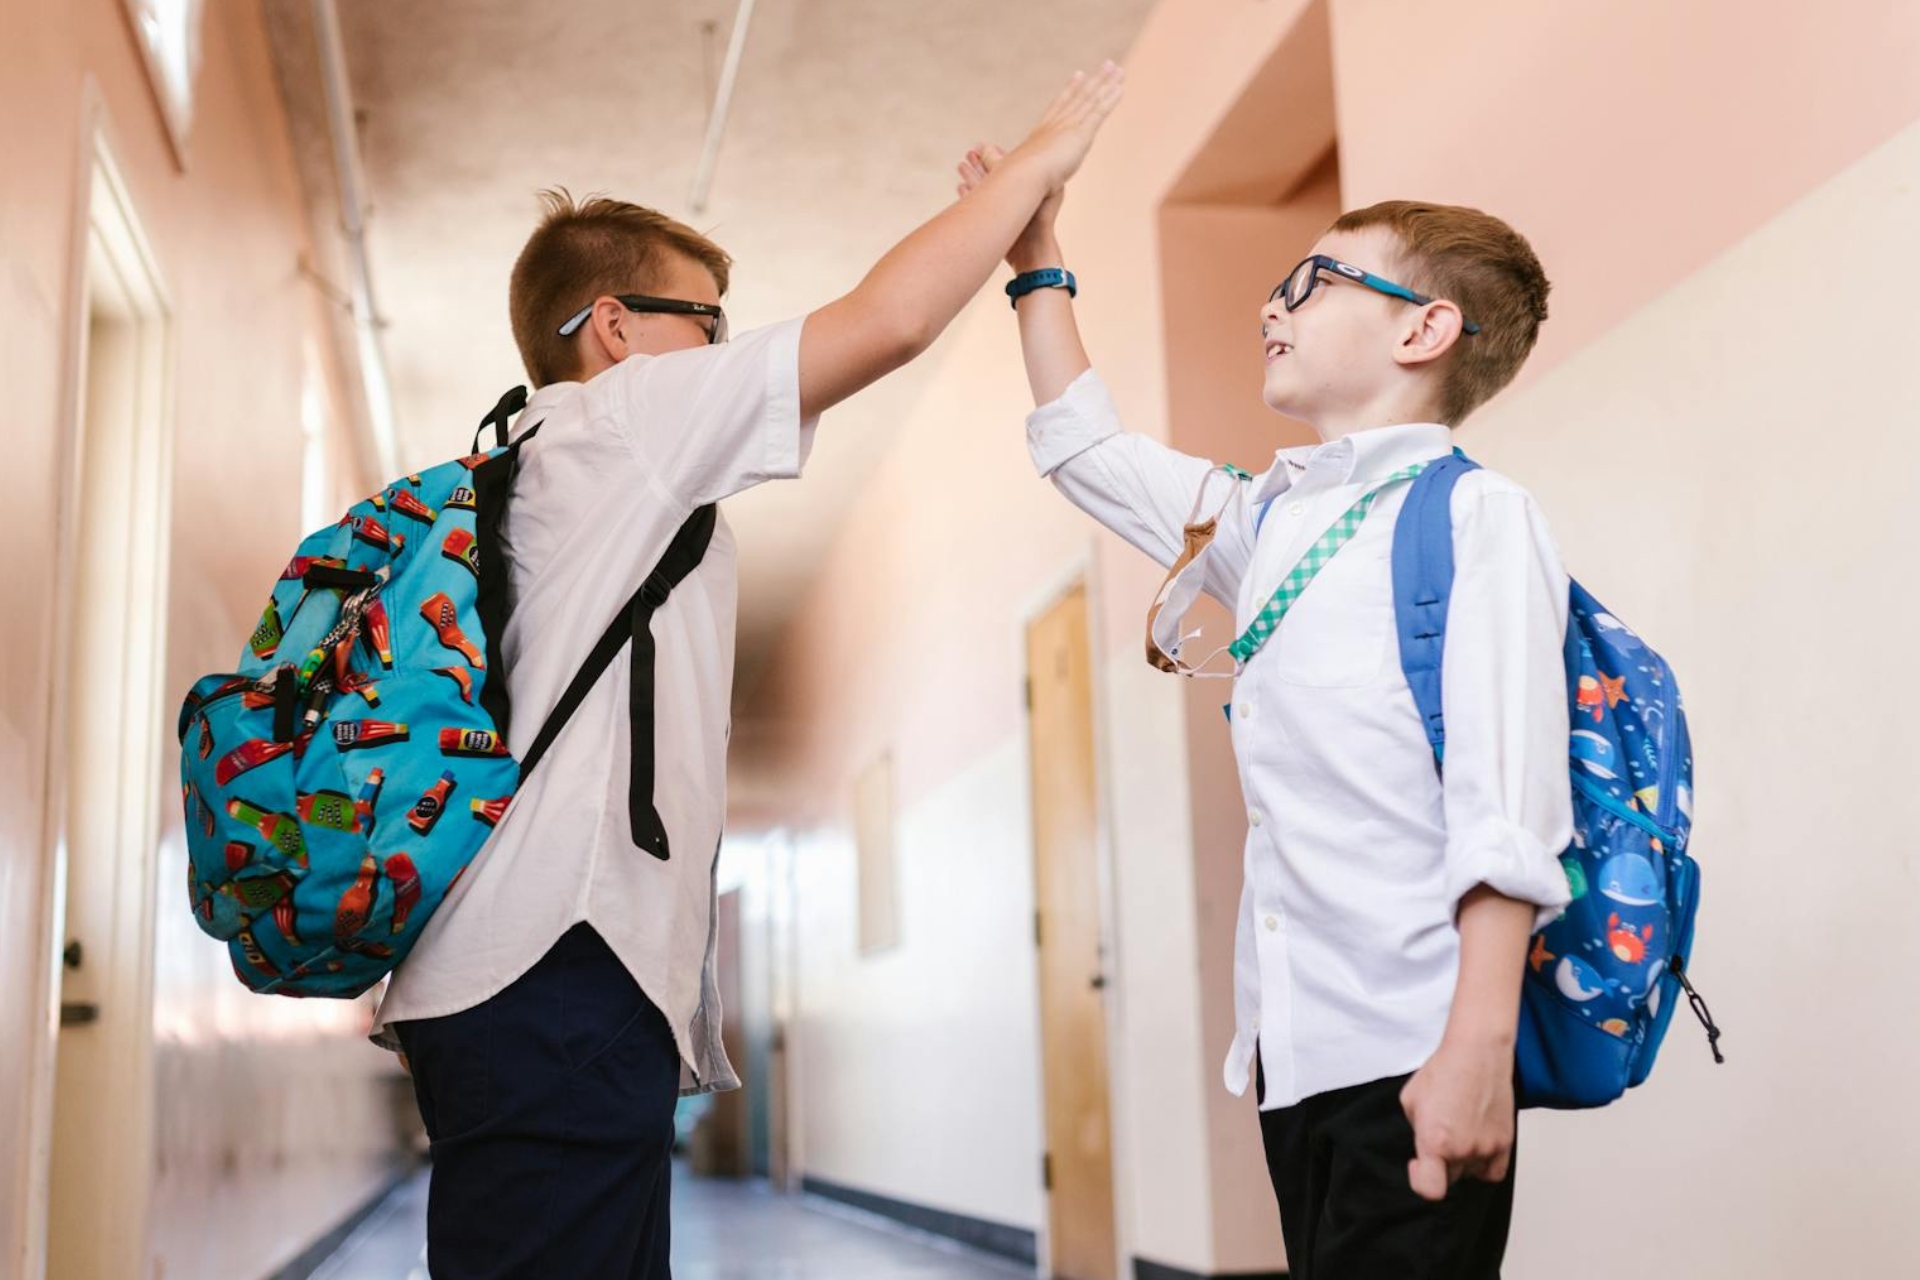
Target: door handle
x,y
78,1013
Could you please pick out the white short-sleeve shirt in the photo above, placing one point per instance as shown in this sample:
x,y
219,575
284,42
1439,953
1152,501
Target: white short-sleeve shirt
x,y
618,465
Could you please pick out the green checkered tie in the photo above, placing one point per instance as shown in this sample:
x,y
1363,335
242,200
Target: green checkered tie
x,y
1318,555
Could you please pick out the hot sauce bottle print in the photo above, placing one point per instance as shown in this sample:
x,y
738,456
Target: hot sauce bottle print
x,y
471,742
355,912
280,829
460,677
334,810
489,811
441,615
406,888
460,547
379,632
250,754
265,641
350,735
428,808
404,503
369,793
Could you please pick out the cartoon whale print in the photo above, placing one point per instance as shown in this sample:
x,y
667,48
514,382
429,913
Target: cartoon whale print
x,y
1577,980
1593,752
1629,879
1618,632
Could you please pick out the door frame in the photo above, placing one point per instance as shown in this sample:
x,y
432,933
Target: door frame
x,y
100,176
1082,571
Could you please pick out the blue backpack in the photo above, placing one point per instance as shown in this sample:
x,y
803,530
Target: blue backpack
x,y
338,783
1602,981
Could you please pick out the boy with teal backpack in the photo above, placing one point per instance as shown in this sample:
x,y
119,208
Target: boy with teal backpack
x,y
1445,914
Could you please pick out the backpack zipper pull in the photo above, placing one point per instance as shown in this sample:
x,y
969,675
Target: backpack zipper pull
x,y
1700,1009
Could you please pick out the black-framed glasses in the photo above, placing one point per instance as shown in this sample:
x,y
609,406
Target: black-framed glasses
x,y
1298,286
641,304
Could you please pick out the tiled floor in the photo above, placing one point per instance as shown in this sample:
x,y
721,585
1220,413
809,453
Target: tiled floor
x,y
721,1231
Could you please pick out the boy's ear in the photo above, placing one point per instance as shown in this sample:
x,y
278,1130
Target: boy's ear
x,y
607,330
1430,333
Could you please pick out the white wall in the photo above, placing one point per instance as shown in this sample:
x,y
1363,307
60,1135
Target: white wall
x,y
919,1065
1734,471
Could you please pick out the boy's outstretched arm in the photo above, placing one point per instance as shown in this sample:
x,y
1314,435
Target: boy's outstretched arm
x,y
918,288
1137,487
1049,335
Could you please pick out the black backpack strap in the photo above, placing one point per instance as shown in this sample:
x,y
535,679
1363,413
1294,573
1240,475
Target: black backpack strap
x,y
634,623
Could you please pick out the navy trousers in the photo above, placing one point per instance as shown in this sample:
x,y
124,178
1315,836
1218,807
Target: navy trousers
x,y
550,1110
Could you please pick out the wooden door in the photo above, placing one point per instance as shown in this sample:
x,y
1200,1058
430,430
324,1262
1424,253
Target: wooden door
x,y
1079,1166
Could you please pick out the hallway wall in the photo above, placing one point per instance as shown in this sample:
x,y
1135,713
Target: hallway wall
x,y
1638,167
272,1120
1733,472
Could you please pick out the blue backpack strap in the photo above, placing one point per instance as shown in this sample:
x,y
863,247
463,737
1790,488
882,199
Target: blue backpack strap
x,y
1422,585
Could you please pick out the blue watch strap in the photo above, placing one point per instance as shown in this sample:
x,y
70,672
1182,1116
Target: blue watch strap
x,y
1046,278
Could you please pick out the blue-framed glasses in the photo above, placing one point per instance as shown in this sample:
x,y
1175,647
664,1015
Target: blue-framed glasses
x,y
641,304
1298,286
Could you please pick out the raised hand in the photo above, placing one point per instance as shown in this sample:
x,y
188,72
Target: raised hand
x,y
1036,246
1065,132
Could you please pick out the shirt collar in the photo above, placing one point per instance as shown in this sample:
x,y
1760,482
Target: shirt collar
x,y
1365,457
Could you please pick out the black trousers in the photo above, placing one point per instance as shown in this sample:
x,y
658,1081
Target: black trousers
x,y
550,1109
1338,1161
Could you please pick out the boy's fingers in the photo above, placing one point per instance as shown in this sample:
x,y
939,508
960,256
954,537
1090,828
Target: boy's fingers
x,y
1427,1175
1495,1169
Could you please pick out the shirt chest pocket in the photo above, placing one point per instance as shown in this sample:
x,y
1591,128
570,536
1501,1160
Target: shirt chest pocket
x,y
1339,633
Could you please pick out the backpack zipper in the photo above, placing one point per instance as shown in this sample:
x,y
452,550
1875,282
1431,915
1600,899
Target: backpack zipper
x,y
1699,1007
1599,796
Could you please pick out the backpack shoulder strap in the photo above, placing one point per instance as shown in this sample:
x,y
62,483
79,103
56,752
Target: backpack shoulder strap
x,y
1422,585
634,623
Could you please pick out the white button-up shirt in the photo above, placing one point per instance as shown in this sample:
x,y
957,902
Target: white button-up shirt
x,y
1357,855
619,464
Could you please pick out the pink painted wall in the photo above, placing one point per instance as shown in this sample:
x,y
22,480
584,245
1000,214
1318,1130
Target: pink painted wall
x,y
1630,141
228,231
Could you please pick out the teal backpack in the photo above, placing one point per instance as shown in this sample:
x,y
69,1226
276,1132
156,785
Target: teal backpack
x,y
340,781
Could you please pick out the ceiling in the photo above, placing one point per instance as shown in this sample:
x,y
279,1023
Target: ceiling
x,y
847,118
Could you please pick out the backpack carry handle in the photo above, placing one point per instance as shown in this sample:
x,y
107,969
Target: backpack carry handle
x,y
511,403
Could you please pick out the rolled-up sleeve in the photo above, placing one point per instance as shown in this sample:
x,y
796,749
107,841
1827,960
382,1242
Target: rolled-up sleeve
x,y
1136,486
1508,798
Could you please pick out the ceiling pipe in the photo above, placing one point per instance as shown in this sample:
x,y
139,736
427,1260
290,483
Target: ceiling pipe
x,y
722,101
374,381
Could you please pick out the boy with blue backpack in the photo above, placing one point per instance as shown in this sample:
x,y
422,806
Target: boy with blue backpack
x,y
430,759
1443,915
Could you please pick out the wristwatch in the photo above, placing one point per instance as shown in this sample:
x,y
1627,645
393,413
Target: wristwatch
x,y
1045,278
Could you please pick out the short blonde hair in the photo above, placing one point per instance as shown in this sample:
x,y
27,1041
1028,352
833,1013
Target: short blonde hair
x,y
583,251
1483,266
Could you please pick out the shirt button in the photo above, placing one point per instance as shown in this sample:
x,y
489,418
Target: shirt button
x,y
1273,924
1246,711
1298,508
1253,817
